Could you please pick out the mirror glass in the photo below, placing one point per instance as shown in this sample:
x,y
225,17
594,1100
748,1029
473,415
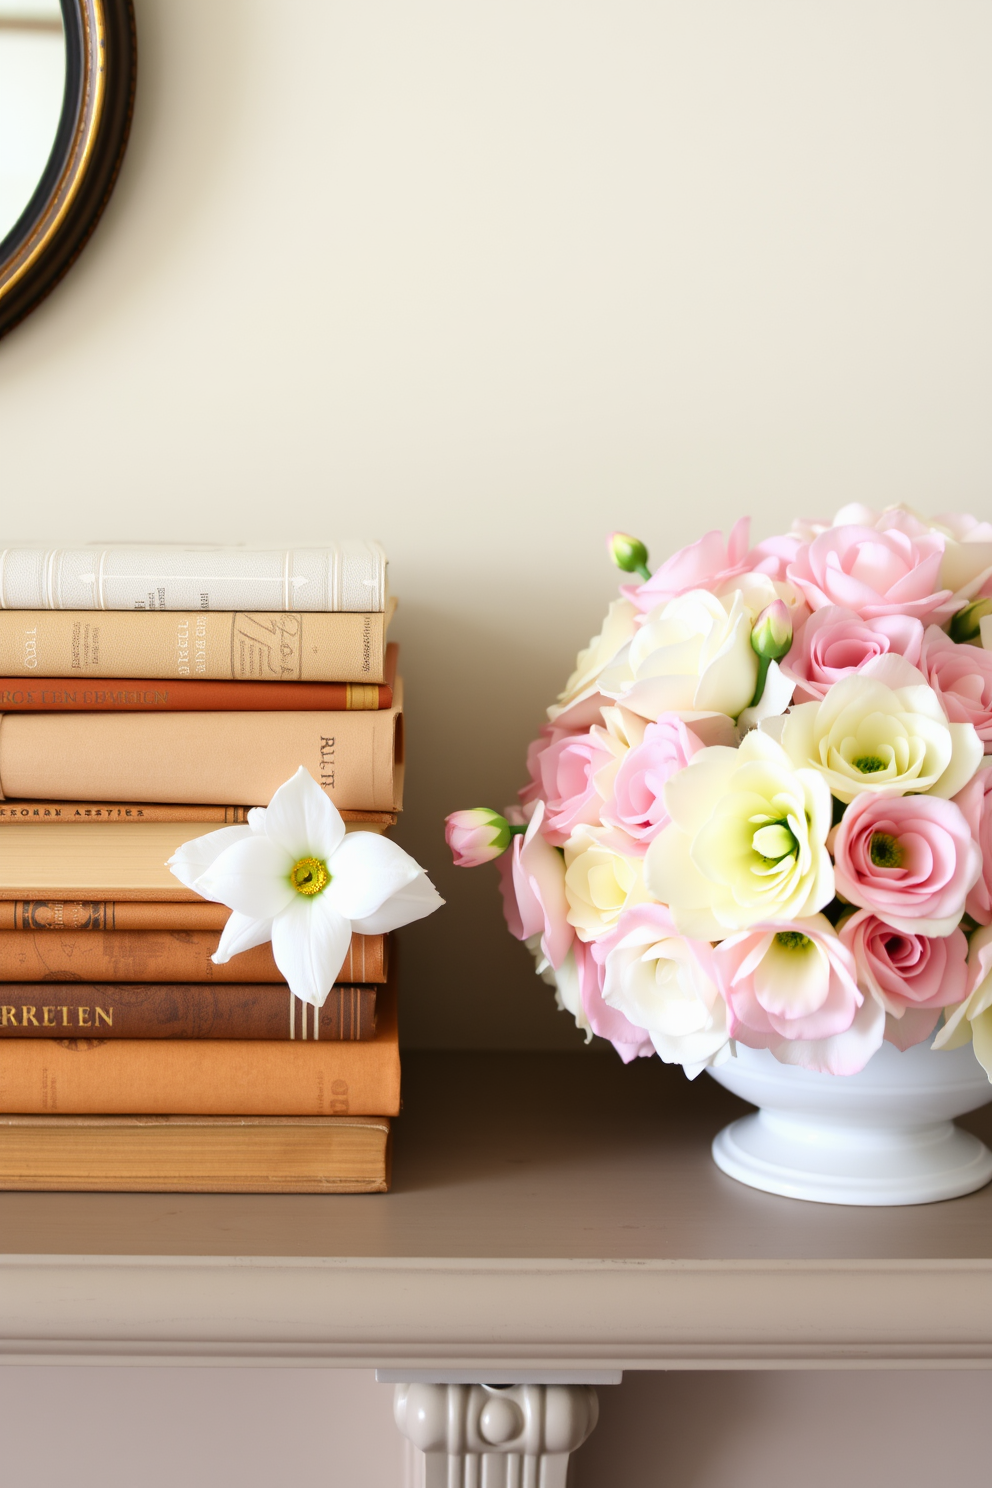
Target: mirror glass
x,y
32,85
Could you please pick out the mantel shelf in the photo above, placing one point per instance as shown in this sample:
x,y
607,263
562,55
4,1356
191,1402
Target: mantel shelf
x,y
548,1212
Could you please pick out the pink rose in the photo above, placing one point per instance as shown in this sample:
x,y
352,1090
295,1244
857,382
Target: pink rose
x,y
705,564
773,555
637,806
532,882
975,802
961,676
912,976
567,769
874,573
835,642
548,735
791,987
911,859
629,1041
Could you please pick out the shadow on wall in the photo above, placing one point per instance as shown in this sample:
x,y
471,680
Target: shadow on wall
x,y
771,1429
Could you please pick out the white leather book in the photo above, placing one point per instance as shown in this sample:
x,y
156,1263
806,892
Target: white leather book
x,y
346,575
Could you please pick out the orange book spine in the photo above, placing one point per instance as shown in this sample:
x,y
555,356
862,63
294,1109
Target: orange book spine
x,y
158,956
205,1077
60,813
133,695
91,914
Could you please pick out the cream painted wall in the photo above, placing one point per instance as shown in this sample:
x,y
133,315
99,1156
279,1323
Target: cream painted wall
x,y
486,280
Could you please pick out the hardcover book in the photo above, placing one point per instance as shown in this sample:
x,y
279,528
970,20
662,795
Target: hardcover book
x,y
200,758
195,1154
346,575
184,1010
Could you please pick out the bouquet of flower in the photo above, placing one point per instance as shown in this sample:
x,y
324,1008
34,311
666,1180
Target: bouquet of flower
x,y
761,810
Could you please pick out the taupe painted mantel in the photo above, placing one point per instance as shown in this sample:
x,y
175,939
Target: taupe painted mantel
x,y
549,1213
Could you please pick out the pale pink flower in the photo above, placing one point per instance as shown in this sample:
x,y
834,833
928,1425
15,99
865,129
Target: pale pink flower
x,y
913,976
773,555
961,676
477,836
911,859
874,573
608,1022
567,769
975,802
532,882
548,734
637,805
835,642
705,564
791,987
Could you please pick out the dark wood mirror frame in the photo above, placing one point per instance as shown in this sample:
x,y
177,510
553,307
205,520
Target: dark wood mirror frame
x,y
101,62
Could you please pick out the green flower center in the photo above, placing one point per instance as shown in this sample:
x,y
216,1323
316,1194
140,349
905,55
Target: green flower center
x,y
792,940
309,876
774,841
885,851
869,764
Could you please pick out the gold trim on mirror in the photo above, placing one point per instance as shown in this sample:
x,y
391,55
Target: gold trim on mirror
x,y
100,76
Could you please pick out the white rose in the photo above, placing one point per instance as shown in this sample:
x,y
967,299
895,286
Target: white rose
x,y
691,654
746,842
653,977
882,730
618,627
600,881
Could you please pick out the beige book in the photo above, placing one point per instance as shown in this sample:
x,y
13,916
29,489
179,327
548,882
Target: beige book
x,y
111,861
206,644
195,1154
212,758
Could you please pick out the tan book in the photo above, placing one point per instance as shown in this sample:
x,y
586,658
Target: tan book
x,y
74,813
195,1154
204,1077
267,646
159,956
209,758
60,915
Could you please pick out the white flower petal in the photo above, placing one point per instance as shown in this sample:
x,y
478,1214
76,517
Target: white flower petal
x,y
251,877
412,902
302,821
309,943
195,857
241,933
365,871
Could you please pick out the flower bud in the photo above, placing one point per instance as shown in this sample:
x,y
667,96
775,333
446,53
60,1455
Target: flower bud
x,y
771,637
966,627
476,836
629,554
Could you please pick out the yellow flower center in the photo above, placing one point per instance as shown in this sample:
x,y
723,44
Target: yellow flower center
x,y
309,876
885,850
869,764
792,940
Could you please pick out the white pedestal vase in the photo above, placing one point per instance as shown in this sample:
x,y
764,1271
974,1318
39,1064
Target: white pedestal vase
x,y
884,1136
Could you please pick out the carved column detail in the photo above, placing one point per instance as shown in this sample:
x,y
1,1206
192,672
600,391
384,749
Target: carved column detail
x,y
481,1436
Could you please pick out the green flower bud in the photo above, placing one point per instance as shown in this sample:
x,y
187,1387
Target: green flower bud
x,y
771,637
966,626
629,554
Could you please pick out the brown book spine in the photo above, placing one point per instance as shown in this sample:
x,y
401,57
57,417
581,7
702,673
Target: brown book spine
x,y
202,645
54,813
205,1077
171,1010
159,956
195,1154
90,914
63,695
202,758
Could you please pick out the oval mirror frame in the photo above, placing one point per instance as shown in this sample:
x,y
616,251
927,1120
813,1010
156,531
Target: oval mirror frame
x,y
101,64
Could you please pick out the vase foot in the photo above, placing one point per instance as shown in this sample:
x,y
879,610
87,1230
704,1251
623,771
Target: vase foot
x,y
837,1164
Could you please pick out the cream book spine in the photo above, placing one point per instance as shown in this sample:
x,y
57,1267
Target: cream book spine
x,y
346,575
240,645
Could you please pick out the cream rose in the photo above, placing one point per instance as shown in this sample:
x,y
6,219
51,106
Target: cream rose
x,y
618,627
692,654
880,730
601,881
747,841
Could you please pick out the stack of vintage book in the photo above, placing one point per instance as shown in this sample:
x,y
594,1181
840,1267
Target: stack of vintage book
x,y
148,696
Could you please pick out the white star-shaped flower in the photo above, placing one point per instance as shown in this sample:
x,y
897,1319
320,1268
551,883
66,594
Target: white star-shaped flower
x,y
292,876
